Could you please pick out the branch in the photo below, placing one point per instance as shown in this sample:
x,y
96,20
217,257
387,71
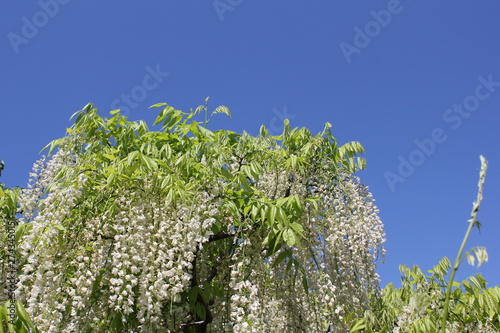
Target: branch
x,y
193,324
220,235
201,324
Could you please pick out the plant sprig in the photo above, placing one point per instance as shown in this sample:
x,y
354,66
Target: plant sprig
x,y
479,252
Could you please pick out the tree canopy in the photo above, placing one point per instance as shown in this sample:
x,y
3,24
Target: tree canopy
x,y
127,229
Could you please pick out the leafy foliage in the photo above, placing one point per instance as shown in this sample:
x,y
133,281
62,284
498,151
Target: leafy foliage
x,y
417,306
429,304
22,322
128,229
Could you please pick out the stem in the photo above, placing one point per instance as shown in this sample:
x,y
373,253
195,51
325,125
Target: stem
x,y
206,113
472,222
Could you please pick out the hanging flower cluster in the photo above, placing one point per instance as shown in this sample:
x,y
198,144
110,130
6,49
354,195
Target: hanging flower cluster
x,y
312,287
184,229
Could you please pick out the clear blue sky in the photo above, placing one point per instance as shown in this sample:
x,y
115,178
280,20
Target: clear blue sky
x,y
416,82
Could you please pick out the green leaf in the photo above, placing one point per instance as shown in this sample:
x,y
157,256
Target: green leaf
x,y
289,266
282,256
164,113
205,132
273,241
305,283
289,237
470,258
116,324
52,145
249,172
477,283
25,318
4,318
478,253
110,157
59,227
131,157
200,310
193,295
468,287
263,131
157,105
199,109
149,162
358,325
226,174
111,178
271,214
297,228
246,209
222,109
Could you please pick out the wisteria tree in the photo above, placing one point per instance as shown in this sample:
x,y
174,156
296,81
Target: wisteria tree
x,y
126,229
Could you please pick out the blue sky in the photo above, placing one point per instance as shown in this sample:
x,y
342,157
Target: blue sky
x,y
416,82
